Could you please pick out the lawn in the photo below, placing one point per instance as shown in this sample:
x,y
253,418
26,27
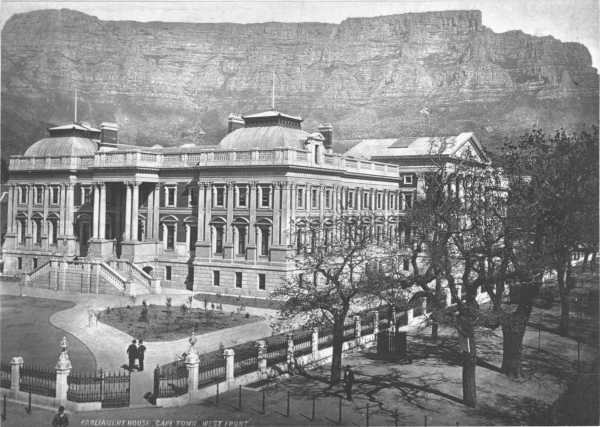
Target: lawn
x,y
163,324
213,300
26,331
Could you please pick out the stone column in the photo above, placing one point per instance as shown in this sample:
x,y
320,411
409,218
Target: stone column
x,y
261,350
135,201
16,363
228,246
28,234
62,212
357,328
10,215
290,352
63,368
200,221
102,212
127,212
192,361
276,232
284,235
403,203
156,212
229,355
252,199
69,208
46,204
314,343
96,212
409,315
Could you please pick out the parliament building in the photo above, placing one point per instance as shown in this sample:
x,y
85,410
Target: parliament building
x,y
88,214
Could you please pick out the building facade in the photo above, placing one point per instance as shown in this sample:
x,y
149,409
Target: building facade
x,y
222,219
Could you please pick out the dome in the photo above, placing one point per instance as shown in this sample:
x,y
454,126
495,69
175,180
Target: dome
x,y
73,146
264,138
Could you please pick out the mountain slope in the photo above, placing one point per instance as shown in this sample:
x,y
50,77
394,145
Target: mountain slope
x,y
166,83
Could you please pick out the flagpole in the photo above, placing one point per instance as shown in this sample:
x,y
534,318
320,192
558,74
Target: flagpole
x,y
75,107
273,92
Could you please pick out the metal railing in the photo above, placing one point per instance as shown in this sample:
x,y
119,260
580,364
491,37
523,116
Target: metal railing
x,y
5,371
211,372
38,381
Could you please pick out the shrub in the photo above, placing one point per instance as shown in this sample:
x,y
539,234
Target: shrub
x,y
144,313
108,310
247,316
169,303
184,309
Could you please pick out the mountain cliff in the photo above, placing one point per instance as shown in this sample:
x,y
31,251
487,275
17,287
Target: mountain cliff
x,y
170,83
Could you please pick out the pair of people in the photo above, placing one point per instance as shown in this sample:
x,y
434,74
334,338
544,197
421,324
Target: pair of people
x,y
136,351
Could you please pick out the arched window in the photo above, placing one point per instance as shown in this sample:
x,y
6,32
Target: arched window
x,y
52,229
264,232
169,226
217,230
37,229
21,229
240,235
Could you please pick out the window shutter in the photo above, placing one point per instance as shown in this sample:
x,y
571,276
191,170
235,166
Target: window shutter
x,y
161,191
77,195
180,231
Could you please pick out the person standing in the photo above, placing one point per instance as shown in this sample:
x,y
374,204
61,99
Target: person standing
x,y
141,349
348,382
132,353
60,419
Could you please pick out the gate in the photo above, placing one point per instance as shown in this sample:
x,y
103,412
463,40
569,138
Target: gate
x,y
390,345
116,389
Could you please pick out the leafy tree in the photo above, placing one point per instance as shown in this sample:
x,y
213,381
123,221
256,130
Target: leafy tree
x,y
563,198
330,279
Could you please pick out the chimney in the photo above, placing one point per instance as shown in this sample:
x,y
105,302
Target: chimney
x,y
109,133
327,131
235,121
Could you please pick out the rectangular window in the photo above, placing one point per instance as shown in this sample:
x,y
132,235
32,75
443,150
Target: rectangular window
x,y
327,199
300,202
242,200
54,195
378,201
262,281
22,194
265,197
39,195
20,263
219,239
192,197
238,279
220,197
86,195
314,198
170,236
408,198
171,193
264,241
407,179
34,263
168,272
216,278
241,230
350,200
366,200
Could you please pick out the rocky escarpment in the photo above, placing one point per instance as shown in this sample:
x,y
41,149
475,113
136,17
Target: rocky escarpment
x,y
168,83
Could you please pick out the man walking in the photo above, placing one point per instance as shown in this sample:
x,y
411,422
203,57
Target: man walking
x,y
132,353
141,349
348,382
60,419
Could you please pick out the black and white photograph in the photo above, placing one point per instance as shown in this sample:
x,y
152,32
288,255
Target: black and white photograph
x,y
299,213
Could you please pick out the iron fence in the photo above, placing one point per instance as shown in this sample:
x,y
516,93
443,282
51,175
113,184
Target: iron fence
x,y
38,381
245,362
276,352
367,328
85,387
116,389
349,331
325,338
303,343
5,374
172,383
211,372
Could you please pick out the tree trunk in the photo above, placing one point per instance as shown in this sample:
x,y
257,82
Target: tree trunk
x,y
468,375
564,301
513,331
436,305
336,358
434,330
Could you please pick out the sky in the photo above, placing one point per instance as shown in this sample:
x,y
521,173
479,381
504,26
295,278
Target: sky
x,y
567,20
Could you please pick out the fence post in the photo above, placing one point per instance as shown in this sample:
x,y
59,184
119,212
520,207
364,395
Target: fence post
x,y
16,363
357,330
409,315
62,283
290,352
448,296
63,369
375,322
392,321
424,305
459,291
192,361
229,355
314,341
261,351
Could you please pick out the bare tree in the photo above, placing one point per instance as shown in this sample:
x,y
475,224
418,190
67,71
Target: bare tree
x,y
330,280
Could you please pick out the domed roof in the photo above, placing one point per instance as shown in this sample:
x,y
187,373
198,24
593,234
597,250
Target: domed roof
x,y
264,138
73,146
